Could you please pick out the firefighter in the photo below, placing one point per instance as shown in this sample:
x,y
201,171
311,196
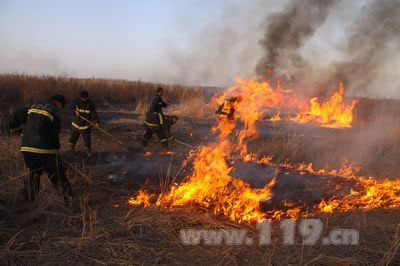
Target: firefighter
x,y
84,109
154,121
226,111
40,145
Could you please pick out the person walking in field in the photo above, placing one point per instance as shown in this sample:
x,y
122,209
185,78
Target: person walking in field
x,y
40,126
155,120
84,111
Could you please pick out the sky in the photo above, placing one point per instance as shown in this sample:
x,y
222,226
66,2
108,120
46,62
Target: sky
x,y
190,42
109,39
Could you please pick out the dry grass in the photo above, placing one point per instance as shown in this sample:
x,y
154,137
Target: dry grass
x,y
132,95
375,147
195,107
25,88
101,228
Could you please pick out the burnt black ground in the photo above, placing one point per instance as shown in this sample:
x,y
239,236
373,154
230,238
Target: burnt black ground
x,y
101,228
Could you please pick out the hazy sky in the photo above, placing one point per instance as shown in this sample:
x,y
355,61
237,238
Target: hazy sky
x,y
112,39
196,42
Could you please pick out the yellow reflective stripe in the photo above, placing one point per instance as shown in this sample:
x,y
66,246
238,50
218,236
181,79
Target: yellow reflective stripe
x,y
163,140
171,138
156,125
82,110
78,127
41,151
41,112
161,118
151,125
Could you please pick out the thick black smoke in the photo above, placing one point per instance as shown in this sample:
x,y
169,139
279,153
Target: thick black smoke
x,y
368,52
286,32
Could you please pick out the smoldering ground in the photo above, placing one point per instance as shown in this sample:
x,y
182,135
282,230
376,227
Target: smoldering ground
x,y
152,169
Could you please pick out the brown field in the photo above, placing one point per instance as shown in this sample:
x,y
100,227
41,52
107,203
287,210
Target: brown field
x,y
101,228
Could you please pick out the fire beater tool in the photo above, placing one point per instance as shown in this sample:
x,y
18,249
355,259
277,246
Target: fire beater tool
x,y
108,134
184,143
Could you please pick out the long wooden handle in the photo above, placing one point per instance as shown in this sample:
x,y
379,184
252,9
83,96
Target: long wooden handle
x,y
183,143
102,130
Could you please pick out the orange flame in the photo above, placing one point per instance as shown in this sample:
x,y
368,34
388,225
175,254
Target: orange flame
x,y
333,113
141,198
212,186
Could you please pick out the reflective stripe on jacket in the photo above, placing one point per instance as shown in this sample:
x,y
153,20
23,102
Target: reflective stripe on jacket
x,y
87,110
41,130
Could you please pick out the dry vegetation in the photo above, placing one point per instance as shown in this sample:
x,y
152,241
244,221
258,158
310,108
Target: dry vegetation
x,y
20,89
374,146
101,228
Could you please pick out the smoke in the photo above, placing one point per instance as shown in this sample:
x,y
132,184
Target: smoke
x,y
32,62
314,44
215,53
287,32
374,39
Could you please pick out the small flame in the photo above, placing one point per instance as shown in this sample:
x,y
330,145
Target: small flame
x,y
142,198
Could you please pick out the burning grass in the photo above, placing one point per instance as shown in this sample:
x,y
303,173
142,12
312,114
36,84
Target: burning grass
x,y
211,185
103,227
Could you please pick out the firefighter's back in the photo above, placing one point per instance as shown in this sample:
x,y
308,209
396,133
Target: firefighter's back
x,y
41,130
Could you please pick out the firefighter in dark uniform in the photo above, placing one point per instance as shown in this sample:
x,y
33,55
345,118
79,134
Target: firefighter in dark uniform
x,y
84,109
154,121
226,111
40,145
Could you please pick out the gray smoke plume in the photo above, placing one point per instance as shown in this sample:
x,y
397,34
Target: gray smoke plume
x,y
367,51
219,50
286,32
374,39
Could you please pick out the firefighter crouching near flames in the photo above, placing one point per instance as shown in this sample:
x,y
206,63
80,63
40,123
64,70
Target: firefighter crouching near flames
x,y
156,122
226,111
83,109
40,127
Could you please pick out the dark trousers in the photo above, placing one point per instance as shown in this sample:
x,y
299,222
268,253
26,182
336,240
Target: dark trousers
x,y
86,135
50,163
159,131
